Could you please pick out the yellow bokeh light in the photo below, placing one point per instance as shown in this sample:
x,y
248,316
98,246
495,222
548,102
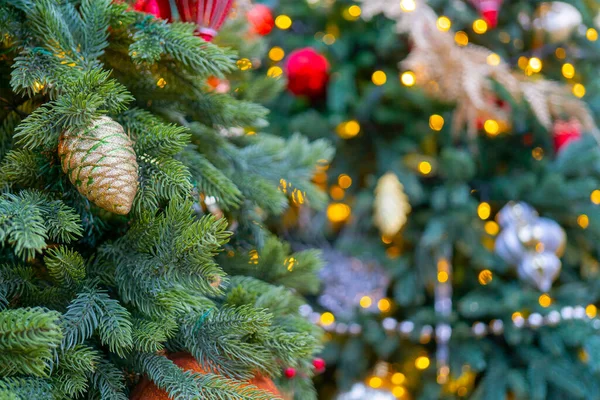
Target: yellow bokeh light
x,y
537,153
436,122
579,90
535,64
560,53
398,392
408,78
379,78
244,64
327,318
348,129
422,362
283,22
276,54
545,300
354,11
491,127
393,252
443,23
583,221
516,315
328,39
344,181
461,38
491,228
398,378
480,26
504,37
425,167
591,311
595,196
493,59
387,239
568,70
408,5
161,83
274,72
384,305
442,276
337,193
523,62
485,277
365,302
591,34
375,382
338,212
484,210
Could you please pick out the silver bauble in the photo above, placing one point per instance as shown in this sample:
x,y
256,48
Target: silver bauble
x,y
509,247
514,213
539,269
544,232
558,20
360,391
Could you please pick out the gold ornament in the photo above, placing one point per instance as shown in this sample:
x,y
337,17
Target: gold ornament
x,y
101,163
391,205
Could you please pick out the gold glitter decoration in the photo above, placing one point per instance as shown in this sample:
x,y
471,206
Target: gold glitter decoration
x,y
101,163
391,205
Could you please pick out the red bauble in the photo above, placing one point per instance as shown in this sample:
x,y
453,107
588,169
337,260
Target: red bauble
x,y
261,19
289,373
319,364
147,390
565,132
208,15
489,10
307,72
159,8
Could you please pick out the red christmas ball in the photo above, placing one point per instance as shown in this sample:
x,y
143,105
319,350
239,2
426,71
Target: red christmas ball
x,y
159,8
261,19
489,10
319,364
565,132
147,390
289,373
307,72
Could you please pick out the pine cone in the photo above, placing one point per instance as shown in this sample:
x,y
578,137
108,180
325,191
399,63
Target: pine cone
x,y
101,163
391,205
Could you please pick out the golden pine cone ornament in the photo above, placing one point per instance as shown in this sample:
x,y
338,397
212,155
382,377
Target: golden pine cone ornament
x,y
391,205
101,163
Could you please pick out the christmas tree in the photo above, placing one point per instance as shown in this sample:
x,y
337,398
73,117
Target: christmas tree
x,y
135,257
461,244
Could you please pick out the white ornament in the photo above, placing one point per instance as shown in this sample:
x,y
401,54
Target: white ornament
x,y
360,391
539,269
558,20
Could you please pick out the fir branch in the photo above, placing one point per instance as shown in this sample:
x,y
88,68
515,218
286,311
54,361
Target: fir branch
x,y
109,381
149,335
26,388
28,337
65,266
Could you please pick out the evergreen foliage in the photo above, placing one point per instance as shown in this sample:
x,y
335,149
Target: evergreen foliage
x,y
90,301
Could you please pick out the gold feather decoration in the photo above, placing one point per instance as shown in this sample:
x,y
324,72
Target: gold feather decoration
x,y
391,205
464,74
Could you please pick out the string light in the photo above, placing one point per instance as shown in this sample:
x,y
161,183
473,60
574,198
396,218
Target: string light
x,y
443,23
283,22
375,382
485,277
379,78
461,38
545,300
161,83
523,62
408,5
442,277
436,122
595,196
398,392
365,302
591,35
535,64
398,378
504,37
484,210
338,212
352,13
583,221
579,90
328,39
344,181
422,362
480,26
244,64
337,193
537,153
591,311
560,53
384,305
568,70
491,228
276,54
348,129
424,167
493,59
491,127
408,78
274,72
327,318
386,239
